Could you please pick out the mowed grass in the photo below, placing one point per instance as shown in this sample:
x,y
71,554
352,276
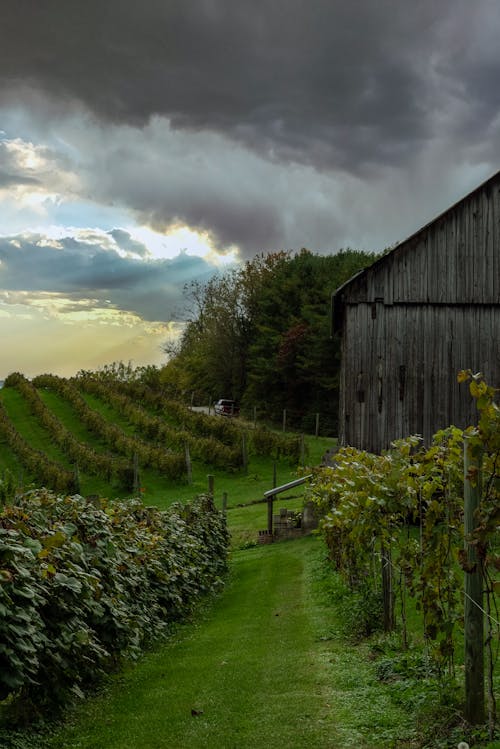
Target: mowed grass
x,y
262,668
28,427
266,665
240,487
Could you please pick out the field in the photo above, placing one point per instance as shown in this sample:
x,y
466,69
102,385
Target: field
x,y
287,655
91,436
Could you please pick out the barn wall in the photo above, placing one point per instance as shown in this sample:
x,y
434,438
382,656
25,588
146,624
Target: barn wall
x,y
455,259
416,317
399,368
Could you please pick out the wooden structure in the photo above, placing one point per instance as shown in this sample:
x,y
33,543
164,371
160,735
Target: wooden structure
x,y
413,319
281,525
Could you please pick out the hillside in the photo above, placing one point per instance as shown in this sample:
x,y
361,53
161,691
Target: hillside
x,y
115,438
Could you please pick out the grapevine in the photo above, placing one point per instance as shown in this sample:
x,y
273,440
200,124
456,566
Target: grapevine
x,y
369,502
168,463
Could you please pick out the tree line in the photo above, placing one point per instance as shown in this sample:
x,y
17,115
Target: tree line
x,y
261,334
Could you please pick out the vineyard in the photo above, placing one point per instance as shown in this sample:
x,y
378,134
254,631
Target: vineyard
x,y
89,579
90,435
405,528
411,567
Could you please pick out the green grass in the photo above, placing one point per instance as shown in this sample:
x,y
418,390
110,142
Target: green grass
x,y
264,668
240,488
245,522
28,426
9,462
267,664
30,429
108,412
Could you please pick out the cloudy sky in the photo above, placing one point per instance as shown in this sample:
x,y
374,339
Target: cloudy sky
x,y
147,144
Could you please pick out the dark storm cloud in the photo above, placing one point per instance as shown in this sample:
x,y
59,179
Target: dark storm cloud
x,y
327,82
127,243
83,270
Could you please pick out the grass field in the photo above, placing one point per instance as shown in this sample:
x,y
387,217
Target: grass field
x,y
263,667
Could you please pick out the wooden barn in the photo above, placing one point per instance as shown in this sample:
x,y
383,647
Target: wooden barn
x,y
413,319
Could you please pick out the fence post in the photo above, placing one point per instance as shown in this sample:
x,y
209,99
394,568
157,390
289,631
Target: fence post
x,y
77,478
270,514
189,469
136,474
316,431
270,501
387,592
244,452
473,608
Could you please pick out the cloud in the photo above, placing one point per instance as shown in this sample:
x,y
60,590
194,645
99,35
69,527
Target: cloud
x,y
34,168
145,144
78,275
130,246
332,84
266,126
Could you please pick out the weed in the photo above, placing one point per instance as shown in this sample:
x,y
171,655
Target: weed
x,y
361,612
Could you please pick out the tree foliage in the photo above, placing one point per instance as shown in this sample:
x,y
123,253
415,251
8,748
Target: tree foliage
x,y
261,334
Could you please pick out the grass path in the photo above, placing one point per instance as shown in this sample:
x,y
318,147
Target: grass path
x,y
263,668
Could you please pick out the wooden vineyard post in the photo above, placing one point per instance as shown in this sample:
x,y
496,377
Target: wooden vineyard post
x,y
211,481
136,480
189,467
244,452
77,478
387,591
284,419
473,609
270,500
316,430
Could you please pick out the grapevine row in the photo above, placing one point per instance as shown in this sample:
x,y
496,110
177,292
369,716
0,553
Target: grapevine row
x,y
85,456
48,472
86,583
207,449
169,464
261,441
223,430
369,501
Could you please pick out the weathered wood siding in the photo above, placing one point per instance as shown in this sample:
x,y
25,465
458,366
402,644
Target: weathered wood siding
x,y
415,318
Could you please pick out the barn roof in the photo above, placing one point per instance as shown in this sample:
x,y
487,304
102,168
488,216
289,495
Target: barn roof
x,y
338,296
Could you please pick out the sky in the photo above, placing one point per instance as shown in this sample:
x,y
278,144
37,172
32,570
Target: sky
x,y
146,145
